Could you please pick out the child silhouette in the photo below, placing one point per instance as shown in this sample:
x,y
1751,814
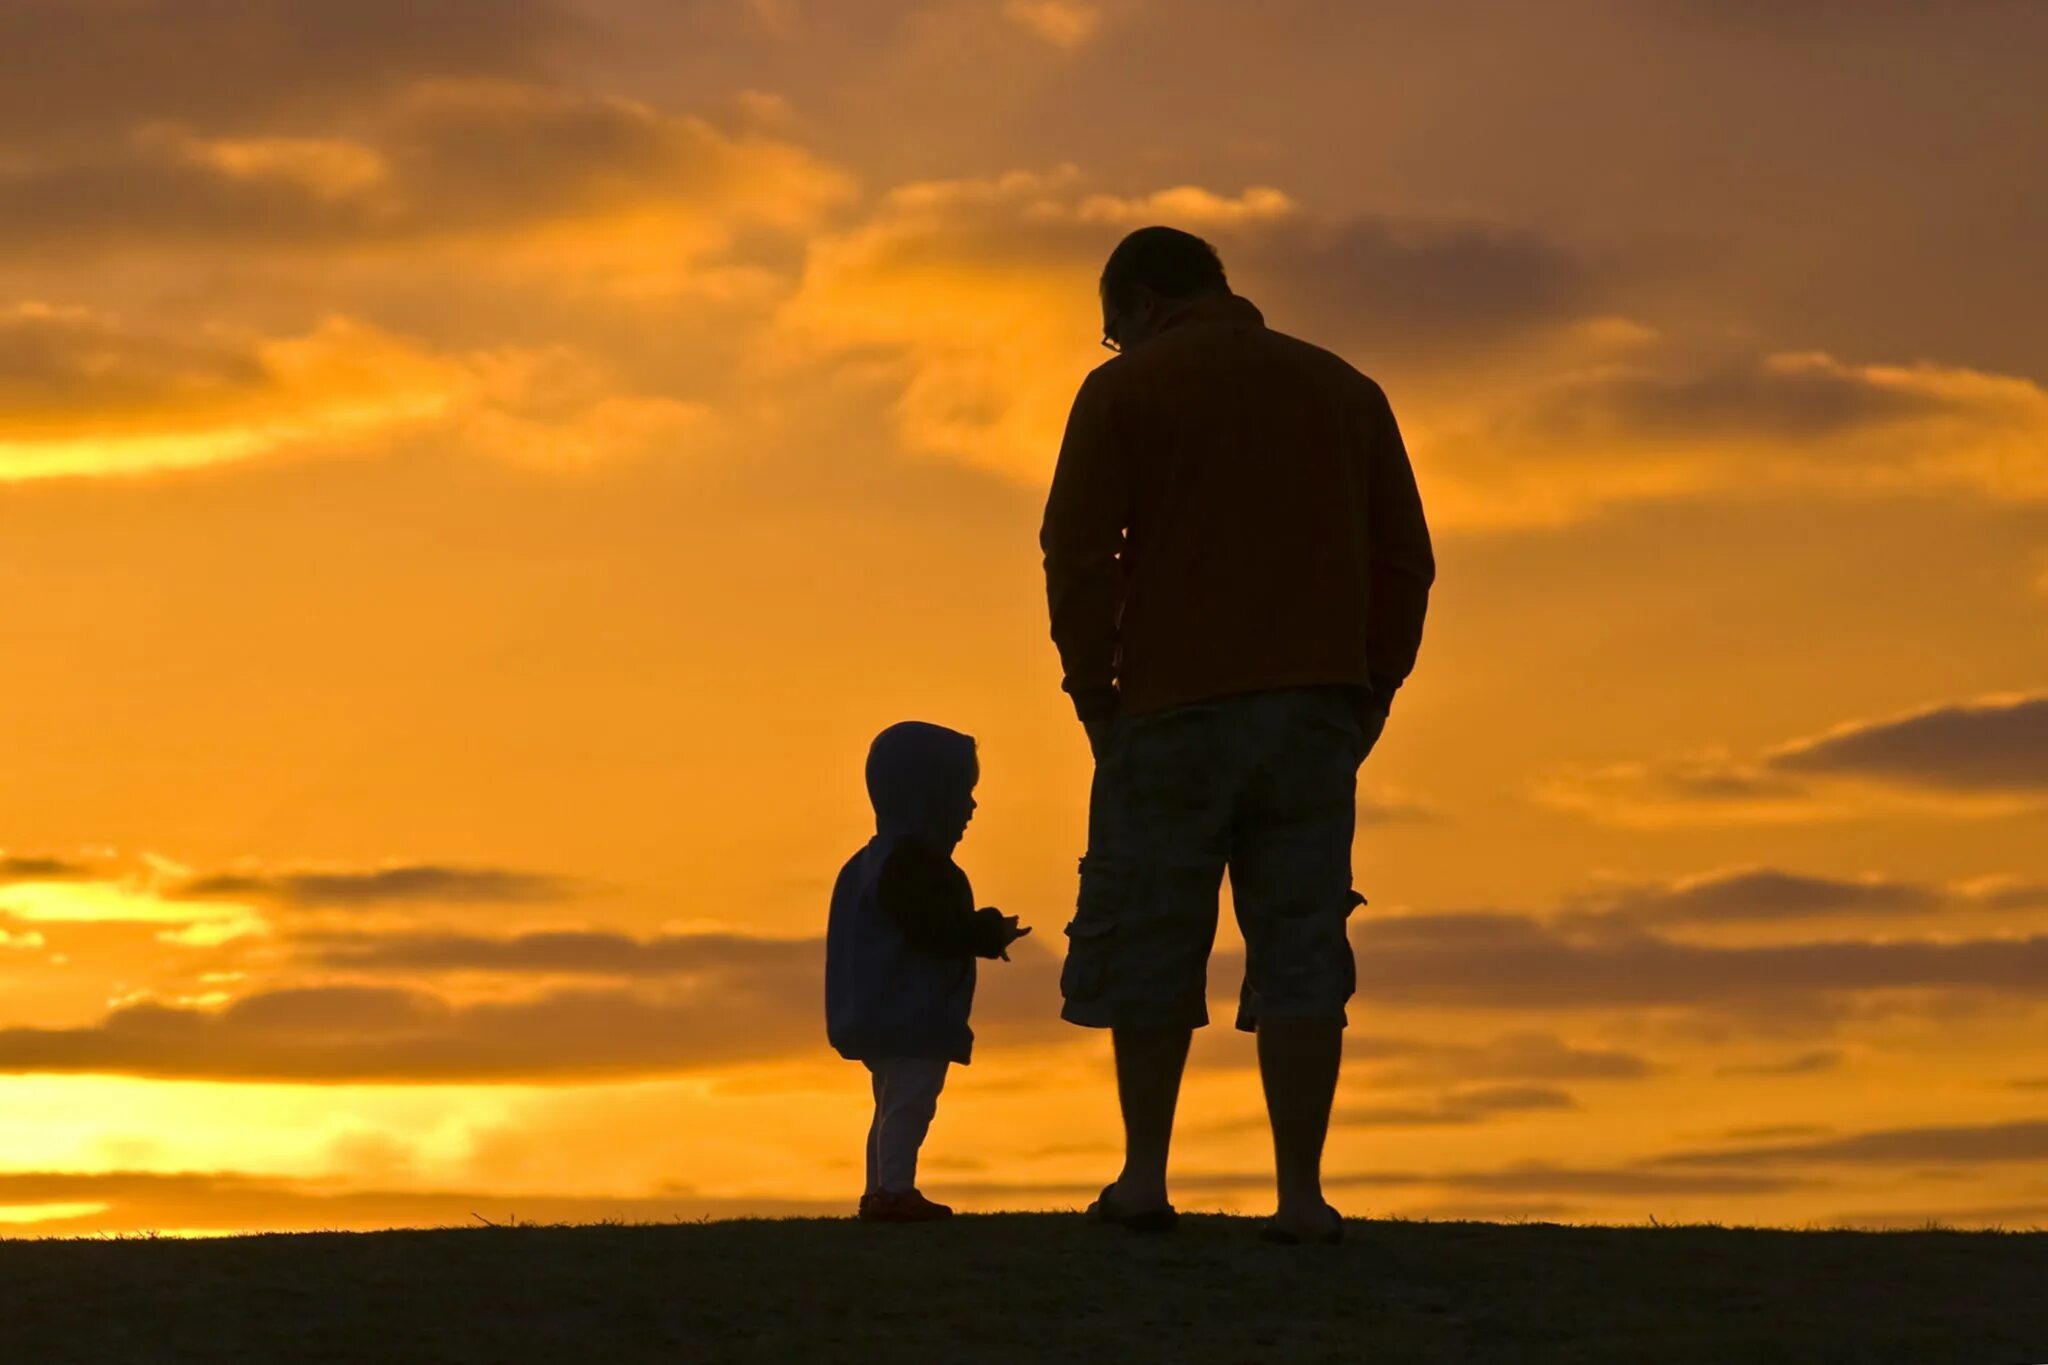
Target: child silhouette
x,y
900,951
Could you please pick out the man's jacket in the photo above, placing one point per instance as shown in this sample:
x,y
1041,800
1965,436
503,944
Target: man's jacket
x,y
1233,512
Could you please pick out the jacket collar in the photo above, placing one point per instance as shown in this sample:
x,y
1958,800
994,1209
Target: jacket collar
x,y
1230,310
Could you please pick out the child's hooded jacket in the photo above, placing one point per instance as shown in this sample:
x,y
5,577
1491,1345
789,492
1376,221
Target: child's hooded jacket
x,y
904,933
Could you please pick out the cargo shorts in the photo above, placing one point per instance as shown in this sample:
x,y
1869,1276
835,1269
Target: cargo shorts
x,y
1262,785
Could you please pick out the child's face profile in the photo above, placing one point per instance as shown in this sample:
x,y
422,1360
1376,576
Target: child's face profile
x,y
957,809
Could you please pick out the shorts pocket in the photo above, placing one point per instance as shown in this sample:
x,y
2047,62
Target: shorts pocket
x,y
1085,973
1105,888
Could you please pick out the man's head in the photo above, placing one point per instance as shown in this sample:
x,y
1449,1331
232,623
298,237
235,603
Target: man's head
x,y
1150,271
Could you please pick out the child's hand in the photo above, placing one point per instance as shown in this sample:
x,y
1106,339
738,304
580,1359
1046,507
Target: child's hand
x,y
1012,931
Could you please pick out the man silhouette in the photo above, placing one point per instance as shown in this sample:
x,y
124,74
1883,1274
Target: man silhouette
x,y
1237,567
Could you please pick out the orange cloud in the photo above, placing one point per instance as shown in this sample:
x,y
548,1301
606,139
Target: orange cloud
x,y
988,336
1559,448
1063,23
980,294
84,394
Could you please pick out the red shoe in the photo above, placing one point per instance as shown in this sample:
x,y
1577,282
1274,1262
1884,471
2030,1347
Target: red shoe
x,y
886,1206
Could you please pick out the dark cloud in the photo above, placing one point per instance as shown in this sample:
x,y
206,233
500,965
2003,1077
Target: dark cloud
x,y
1457,1107
28,867
402,883
482,155
1952,1145
684,1003
1998,744
2007,893
1804,1064
1826,18
1775,398
1020,996
65,370
1540,1178
1717,782
1385,287
1687,788
1450,1109
446,160
1381,809
1527,1178
1397,1062
1541,1056
98,201
1504,962
1755,894
571,952
1776,1130
356,1033
1525,1055
1995,745
144,1202
80,67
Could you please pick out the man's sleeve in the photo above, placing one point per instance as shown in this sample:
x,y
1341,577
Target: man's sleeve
x,y
1402,564
1085,517
930,900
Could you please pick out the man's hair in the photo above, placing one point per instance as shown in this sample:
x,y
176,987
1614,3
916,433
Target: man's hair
x,y
1169,262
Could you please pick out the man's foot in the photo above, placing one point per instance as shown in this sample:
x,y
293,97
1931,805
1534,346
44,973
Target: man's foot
x,y
1326,1229
1108,1208
901,1206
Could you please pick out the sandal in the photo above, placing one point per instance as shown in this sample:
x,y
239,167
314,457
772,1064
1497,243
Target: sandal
x,y
1105,1210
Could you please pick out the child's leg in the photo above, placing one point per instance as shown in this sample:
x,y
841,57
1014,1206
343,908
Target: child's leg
x,y
909,1092
874,1130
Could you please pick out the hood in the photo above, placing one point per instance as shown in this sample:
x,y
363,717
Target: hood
x,y
919,778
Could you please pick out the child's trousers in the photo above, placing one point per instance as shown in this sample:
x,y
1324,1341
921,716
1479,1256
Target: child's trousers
x,y
906,1095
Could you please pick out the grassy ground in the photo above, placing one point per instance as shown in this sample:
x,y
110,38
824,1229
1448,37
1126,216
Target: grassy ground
x,y
1035,1287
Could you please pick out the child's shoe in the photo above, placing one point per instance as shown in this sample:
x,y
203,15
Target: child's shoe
x,y
908,1206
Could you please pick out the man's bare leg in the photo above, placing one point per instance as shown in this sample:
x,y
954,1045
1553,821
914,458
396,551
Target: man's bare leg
x,y
1298,1062
1149,1063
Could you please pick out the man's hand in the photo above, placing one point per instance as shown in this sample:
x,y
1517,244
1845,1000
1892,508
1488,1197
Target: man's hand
x,y
1371,707
1372,724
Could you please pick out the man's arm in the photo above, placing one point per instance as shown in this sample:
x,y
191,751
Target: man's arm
x,y
1085,517
1402,563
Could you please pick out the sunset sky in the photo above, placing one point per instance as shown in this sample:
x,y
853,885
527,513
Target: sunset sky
x,y
474,476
